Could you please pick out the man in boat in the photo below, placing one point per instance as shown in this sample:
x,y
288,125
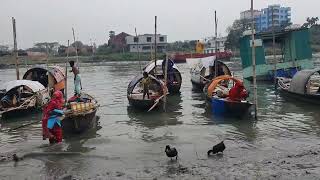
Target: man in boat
x,y
56,102
170,73
77,79
146,81
238,92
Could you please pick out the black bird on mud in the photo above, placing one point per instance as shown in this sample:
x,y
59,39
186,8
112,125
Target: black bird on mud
x,y
217,148
171,152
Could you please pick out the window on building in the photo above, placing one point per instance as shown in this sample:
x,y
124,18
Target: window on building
x,y
133,47
161,39
148,39
136,39
146,47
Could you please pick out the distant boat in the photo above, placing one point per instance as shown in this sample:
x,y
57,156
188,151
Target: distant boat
x,y
301,87
19,97
221,105
173,86
296,54
203,70
157,90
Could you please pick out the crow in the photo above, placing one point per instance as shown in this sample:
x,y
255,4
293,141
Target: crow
x,y
171,152
217,148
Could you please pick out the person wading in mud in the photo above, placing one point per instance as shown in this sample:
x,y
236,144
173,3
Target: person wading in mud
x,y
77,79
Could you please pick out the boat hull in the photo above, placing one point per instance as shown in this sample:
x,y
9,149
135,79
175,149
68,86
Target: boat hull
x,y
308,98
263,70
142,104
78,123
18,113
223,107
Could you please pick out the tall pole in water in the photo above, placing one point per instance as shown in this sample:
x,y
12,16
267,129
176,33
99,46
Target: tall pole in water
x,y
75,44
274,51
15,46
155,45
216,45
135,30
254,63
66,78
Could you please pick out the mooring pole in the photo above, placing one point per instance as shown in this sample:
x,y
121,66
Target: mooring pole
x,y
66,78
255,99
155,45
216,45
274,52
15,47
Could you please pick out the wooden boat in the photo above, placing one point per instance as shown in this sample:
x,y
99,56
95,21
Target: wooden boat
x,y
175,84
304,86
203,70
221,105
52,77
80,116
157,90
22,96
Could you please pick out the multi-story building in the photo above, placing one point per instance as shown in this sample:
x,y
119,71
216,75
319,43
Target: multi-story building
x,y
210,44
146,42
281,16
247,14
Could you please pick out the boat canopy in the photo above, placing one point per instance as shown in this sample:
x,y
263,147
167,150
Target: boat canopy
x,y
151,65
137,79
300,79
198,64
214,83
33,85
56,71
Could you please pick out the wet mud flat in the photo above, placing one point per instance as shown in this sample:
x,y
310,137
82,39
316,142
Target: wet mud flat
x,y
290,159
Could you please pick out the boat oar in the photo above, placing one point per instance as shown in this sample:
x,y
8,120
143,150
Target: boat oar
x,y
156,102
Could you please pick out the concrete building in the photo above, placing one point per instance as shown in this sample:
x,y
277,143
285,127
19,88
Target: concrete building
x,y
210,44
145,43
246,15
263,18
118,42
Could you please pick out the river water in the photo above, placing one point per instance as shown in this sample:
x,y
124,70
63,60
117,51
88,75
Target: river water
x,y
283,143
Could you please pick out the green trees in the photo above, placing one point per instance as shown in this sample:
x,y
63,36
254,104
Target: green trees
x,y
311,22
235,31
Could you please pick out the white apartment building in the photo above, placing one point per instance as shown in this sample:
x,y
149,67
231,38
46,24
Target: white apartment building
x,y
145,43
210,44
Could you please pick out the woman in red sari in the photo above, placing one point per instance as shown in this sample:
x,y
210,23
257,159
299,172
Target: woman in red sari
x,y
56,102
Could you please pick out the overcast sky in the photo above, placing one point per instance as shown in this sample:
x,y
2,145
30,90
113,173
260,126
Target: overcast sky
x,y
52,20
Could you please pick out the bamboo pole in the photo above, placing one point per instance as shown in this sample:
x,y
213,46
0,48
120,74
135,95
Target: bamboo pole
x,y
75,44
66,78
155,45
15,47
254,64
165,82
135,30
274,52
216,45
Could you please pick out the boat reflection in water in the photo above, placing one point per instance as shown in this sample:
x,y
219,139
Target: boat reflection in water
x,y
157,118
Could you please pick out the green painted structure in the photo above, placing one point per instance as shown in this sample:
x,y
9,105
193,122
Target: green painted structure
x,y
296,53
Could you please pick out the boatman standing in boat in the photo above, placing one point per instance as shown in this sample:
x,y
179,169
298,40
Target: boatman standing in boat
x,y
146,81
77,79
